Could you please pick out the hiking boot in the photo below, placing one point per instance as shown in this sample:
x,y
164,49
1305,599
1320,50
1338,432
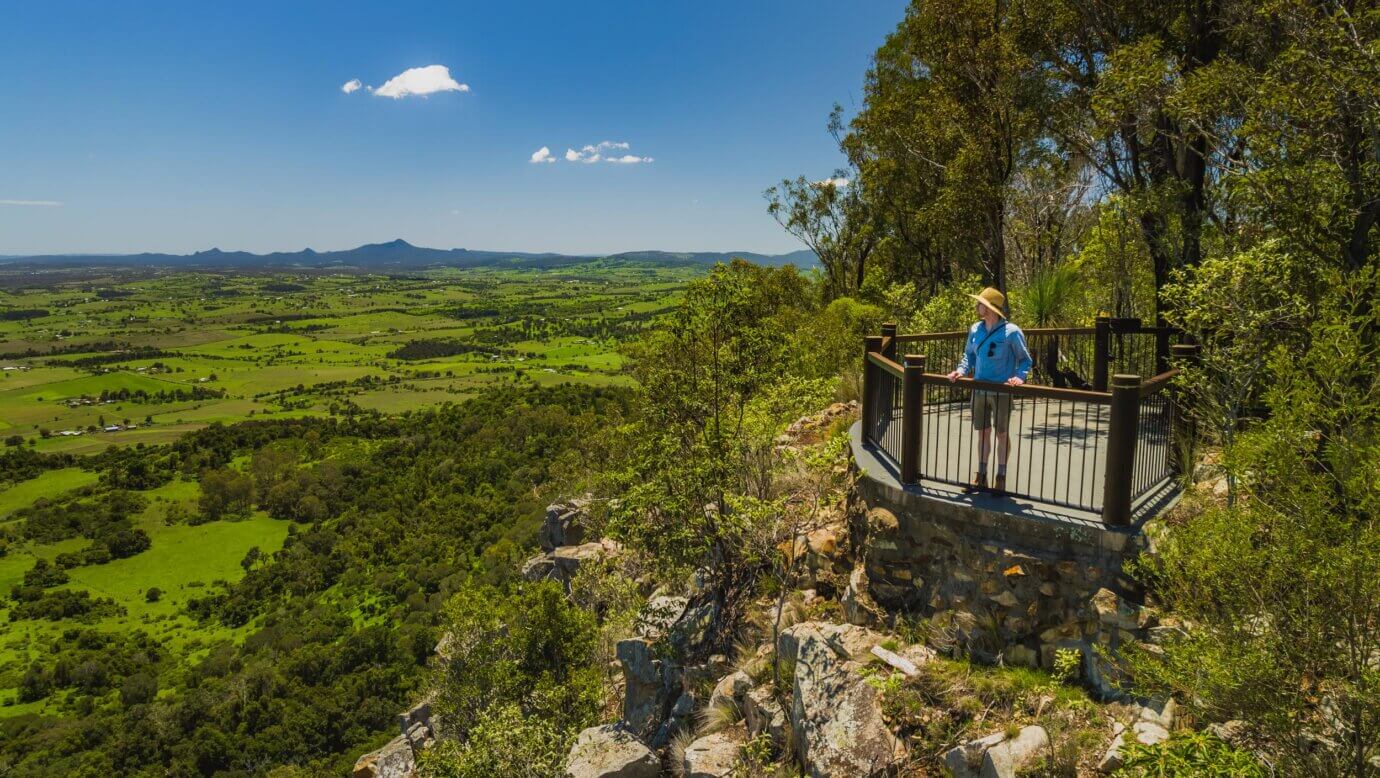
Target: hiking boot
x,y
999,485
979,483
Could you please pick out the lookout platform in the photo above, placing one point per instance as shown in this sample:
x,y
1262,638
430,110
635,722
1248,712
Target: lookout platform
x,y
1091,442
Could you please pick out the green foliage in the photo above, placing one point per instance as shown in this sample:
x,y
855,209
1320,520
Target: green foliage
x,y
1282,589
949,309
1187,755
1049,299
337,626
1240,308
531,648
501,742
1068,662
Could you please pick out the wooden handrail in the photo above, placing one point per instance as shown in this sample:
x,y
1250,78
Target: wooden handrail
x,y
1025,390
886,364
920,337
1151,385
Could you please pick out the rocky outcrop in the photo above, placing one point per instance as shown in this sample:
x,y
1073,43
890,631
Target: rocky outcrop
x,y
394,760
610,751
713,756
564,524
997,756
762,713
562,563
836,716
651,686
811,429
398,759
1150,727
563,544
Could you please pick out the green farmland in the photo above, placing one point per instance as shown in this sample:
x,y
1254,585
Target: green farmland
x,y
118,387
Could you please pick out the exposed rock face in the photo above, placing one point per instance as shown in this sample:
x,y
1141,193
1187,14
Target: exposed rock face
x,y
563,562
610,751
1150,727
394,760
730,690
651,686
564,524
713,756
398,759
659,614
762,713
836,716
997,756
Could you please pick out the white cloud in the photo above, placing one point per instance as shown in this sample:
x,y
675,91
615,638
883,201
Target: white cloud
x,y
837,183
587,155
594,152
421,82
350,86
542,154
38,203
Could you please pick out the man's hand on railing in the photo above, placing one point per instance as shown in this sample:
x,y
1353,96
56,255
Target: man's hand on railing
x,y
1015,380
954,376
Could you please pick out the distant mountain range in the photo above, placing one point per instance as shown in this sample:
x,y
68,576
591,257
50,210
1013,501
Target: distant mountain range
x,y
399,254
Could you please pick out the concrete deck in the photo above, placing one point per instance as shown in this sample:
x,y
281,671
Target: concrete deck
x,y
951,426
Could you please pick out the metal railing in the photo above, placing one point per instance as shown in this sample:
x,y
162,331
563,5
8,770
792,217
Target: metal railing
x,y
1100,450
1063,357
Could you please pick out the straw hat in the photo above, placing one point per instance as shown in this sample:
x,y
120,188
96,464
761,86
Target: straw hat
x,y
993,299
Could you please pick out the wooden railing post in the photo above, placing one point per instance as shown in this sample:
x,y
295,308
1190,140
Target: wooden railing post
x,y
1102,351
889,341
1182,443
912,416
871,343
1121,449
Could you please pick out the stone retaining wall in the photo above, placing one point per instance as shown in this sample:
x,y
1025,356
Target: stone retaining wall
x,y
1018,587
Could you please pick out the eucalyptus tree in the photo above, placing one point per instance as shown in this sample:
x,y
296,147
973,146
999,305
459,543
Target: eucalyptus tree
x,y
955,109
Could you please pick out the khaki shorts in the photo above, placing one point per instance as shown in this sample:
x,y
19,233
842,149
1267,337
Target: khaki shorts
x,y
991,409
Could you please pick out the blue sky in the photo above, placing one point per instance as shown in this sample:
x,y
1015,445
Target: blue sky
x,y
175,127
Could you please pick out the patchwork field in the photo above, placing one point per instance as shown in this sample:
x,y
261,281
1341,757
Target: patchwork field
x,y
93,362
102,359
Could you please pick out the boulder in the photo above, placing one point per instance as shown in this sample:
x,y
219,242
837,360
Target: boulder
x,y
659,614
650,686
541,567
563,525
997,756
965,760
1009,757
713,756
858,606
569,558
762,713
610,751
676,723
730,690
394,760
836,716
849,640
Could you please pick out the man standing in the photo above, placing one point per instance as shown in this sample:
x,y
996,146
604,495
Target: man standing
x,y
995,352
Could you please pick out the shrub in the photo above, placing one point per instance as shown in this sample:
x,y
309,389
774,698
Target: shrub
x,y
1197,754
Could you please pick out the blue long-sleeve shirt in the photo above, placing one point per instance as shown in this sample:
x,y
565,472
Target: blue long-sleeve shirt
x,y
1006,347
